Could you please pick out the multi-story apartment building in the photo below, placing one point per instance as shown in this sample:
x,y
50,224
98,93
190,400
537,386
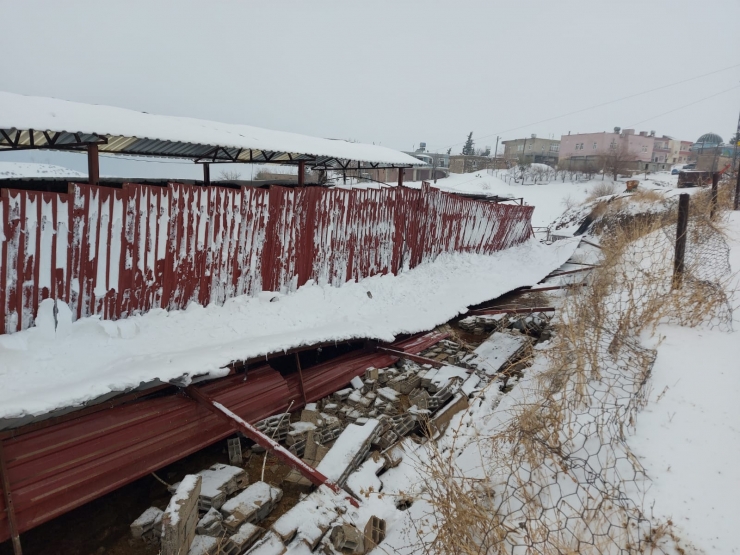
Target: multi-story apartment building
x,y
583,149
532,149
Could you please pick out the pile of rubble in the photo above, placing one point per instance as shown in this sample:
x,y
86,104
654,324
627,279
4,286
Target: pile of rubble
x,y
348,437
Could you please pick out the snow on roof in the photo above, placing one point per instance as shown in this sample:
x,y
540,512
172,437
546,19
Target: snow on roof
x,y
140,133
42,370
16,170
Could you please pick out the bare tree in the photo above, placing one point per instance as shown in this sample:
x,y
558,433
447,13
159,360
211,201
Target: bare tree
x,y
619,160
229,175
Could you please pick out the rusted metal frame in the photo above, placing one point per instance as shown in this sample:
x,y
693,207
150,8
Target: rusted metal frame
x,y
410,356
592,244
9,509
519,310
300,378
554,287
206,174
567,272
30,138
285,456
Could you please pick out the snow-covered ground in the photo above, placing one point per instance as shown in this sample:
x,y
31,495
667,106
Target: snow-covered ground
x,y
42,370
688,436
9,170
549,199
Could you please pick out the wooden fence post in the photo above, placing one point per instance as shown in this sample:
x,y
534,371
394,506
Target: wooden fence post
x,y
713,208
681,227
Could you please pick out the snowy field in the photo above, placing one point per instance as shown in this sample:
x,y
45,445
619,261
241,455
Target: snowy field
x,y
42,370
10,170
549,199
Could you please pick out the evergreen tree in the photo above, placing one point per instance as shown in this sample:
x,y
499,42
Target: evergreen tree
x,y
469,149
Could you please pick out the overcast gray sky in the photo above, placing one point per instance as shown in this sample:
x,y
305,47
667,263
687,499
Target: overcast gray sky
x,y
389,72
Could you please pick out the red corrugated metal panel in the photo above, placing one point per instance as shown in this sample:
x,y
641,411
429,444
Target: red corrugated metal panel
x,y
111,252
61,467
55,469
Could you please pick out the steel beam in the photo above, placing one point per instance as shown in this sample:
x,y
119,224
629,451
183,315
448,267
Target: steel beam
x,y
93,164
400,177
302,173
285,456
206,174
300,378
12,525
415,358
519,310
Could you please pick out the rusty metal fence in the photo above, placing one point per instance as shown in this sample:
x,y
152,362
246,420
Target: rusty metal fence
x,y
115,252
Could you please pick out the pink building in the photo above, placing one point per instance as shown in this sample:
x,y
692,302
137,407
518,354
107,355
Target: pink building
x,y
589,147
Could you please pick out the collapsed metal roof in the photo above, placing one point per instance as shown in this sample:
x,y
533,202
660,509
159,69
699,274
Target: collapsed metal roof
x,y
31,122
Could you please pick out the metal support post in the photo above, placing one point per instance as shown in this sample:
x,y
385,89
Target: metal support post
x,y
12,524
206,174
400,177
713,206
737,190
681,227
301,173
300,378
285,456
93,164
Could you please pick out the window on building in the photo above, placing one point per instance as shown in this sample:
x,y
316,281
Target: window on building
x,y
595,145
519,148
644,149
613,145
530,147
554,148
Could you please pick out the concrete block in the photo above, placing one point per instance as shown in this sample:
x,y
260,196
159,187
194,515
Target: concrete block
x,y
371,374
442,419
253,504
181,517
235,450
210,524
342,394
149,521
203,545
245,537
375,532
347,539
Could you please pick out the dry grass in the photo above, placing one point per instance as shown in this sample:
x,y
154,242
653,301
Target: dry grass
x,y
603,189
558,476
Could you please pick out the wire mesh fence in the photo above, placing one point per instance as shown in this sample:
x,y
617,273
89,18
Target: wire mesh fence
x,y
554,471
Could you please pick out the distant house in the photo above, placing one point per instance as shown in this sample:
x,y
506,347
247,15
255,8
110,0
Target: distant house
x,y
465,163
590,149
532,150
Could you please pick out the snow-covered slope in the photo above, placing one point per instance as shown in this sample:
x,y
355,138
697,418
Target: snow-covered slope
x,y
9,170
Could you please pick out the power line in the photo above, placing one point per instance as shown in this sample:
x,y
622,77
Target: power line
x,y
686,105
604,104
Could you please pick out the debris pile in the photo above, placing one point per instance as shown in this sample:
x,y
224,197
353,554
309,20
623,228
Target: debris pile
x,y
349,437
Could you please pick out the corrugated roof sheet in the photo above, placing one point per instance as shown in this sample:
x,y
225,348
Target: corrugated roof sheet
x,y
31,121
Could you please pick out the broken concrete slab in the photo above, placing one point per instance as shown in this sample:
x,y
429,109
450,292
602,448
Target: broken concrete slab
x,y
497,350
181,517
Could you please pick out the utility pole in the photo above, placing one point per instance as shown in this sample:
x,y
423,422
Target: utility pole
x,y
495,154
